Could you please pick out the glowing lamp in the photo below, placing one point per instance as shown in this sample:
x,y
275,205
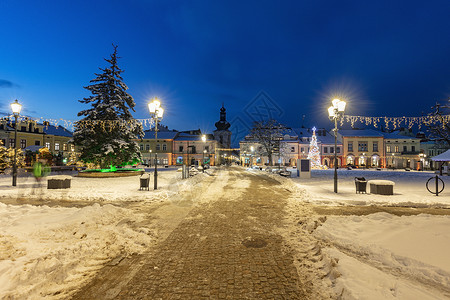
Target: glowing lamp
x,y
204,138
341,106
331,112
16,107
251,148
160,112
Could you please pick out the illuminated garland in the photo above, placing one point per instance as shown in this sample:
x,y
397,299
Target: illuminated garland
x,y
107,125
397,122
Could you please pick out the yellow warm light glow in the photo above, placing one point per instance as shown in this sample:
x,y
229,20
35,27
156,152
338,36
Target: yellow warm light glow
x,y
16,107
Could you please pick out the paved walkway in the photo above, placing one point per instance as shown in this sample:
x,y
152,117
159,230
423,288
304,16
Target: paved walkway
x,y
226,248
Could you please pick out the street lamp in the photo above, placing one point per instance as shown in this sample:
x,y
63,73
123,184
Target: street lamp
x,y
204,152
335,112
156,111
16,108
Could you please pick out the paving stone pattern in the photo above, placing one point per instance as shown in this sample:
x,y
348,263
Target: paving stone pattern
x,y
225,249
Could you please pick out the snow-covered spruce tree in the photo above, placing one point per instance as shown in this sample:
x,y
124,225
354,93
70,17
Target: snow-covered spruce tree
x,y
106,133
314,152
3,157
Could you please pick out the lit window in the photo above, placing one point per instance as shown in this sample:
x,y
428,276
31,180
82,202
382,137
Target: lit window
x,y
164,147
65,147
47,145
56,146
23,144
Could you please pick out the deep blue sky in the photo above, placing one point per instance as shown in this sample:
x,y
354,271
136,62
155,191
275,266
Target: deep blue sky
x,y
384,57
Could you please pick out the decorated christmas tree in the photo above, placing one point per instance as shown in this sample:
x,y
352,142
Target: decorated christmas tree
x,y
20,158
3,158
314,152
107,131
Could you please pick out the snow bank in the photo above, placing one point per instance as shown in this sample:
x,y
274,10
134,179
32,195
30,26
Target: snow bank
x,y
382,256
45,252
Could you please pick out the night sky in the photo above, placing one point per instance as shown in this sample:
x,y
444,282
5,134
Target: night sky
x,y
386,58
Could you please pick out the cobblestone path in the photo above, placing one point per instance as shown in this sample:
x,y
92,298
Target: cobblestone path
x,y
226,248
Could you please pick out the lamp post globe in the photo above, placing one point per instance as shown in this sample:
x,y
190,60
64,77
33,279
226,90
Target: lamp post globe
x,y
335,112
156,112
16,107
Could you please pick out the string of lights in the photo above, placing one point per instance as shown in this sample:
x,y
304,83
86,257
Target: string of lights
x,y
107,125
397,122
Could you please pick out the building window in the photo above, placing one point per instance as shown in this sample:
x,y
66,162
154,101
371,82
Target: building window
x,y
388,148
65,147
165,161
325,149
56,146
292,149
413,148
350,146
180,149
36,130
12,143
141,147
23,128
362,146
375,146
47,145
331,149
302,149
396,149
23,144
147,147
164,147
194,150
338,149
405,148
158,147
72,148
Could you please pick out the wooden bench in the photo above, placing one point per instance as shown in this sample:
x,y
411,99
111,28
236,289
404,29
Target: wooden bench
x,y
59,182
381,187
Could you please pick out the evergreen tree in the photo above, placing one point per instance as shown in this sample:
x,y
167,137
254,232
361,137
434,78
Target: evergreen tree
x,y
106,133
314,152
3,157
20,158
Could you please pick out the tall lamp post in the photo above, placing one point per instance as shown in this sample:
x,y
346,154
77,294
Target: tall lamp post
x,y
16,108
335,112
156,111
204,152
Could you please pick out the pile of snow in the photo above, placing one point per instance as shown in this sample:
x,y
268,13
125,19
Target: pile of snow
x,y
46,252
382,256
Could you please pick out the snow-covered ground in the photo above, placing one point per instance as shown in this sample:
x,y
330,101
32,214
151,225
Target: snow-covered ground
x,y
99,189
378,256
46,252
409,189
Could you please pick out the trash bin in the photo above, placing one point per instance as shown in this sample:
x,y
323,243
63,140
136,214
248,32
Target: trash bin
x,y
145,181
361,184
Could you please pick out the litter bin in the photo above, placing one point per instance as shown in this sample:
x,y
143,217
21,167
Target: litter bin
x,y
145,181
361,184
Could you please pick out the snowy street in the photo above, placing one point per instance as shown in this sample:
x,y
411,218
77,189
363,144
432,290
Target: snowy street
x,y
230,232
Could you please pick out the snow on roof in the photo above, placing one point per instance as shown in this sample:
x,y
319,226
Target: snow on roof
x,y
57,130
361,133
442,157
33,148
397,136
164,135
